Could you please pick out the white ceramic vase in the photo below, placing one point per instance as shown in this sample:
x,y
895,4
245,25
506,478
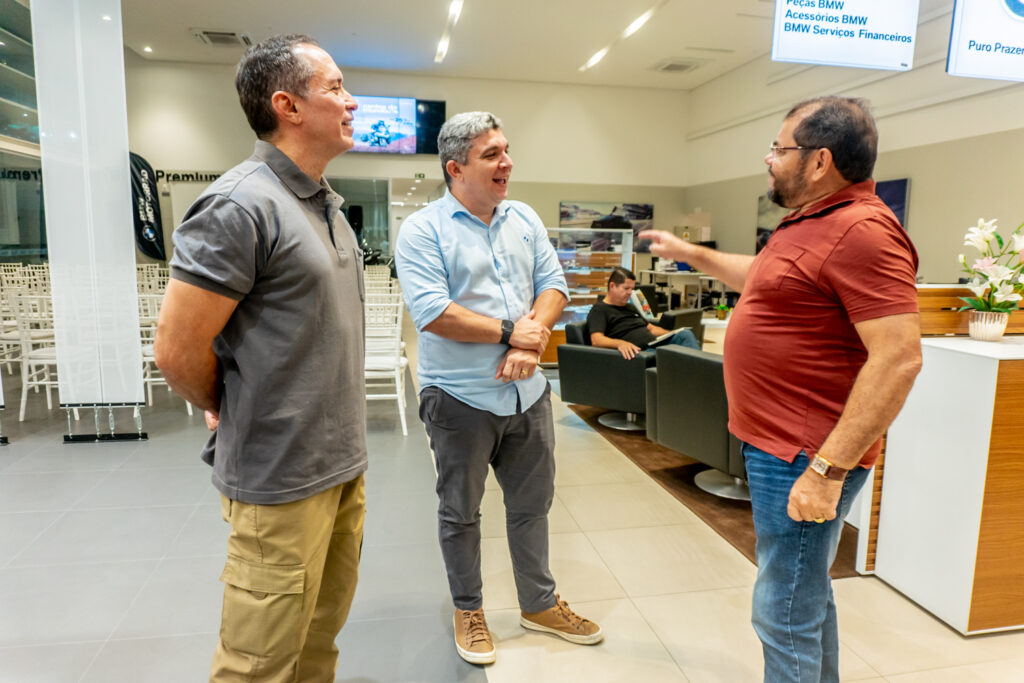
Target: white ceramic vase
x,y
987,325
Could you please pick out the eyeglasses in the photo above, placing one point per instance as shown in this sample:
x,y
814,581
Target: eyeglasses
x,y
774,149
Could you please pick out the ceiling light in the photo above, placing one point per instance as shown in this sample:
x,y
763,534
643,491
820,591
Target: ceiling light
x,y
454,10
442,50
419,180
147,49
630,30
638,23
598,56
107,17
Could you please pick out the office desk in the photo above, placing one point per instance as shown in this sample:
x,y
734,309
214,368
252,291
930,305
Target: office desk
x,y
682,281
951,521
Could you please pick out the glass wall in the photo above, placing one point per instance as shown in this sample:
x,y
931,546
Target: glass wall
x,y
366,207
18,117
22,221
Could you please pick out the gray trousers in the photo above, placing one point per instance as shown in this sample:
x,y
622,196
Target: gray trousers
x,y
521,449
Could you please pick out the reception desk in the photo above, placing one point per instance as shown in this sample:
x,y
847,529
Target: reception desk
x,y
951,518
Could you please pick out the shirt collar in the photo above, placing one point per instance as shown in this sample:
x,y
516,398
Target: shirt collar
x,y
453,207
847,195
291,175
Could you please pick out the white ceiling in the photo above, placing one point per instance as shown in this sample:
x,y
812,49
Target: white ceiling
x,y
524,40
527,40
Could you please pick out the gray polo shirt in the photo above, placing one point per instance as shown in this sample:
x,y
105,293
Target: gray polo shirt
x,y
293,407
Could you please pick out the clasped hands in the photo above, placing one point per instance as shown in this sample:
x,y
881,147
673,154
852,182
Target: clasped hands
x,y
528,341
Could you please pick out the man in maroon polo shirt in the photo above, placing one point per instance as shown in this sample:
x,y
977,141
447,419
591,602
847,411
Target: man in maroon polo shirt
x,y
821,352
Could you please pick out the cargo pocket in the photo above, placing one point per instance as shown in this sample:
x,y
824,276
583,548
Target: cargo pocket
x,y
263,606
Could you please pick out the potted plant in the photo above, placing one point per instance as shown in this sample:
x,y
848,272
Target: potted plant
x,y
721,311
995,279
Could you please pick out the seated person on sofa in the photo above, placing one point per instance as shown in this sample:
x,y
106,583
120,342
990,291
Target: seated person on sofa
x,y
614,323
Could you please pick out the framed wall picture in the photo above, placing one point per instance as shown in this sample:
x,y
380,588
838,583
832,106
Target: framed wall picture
x,y
607,215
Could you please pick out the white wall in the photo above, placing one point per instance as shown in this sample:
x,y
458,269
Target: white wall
x,y
186,116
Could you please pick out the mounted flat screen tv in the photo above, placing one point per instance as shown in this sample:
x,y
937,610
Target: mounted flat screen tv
x,y
397,125
869,34
986,40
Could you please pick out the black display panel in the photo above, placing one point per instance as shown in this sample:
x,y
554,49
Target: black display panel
x,y
430,116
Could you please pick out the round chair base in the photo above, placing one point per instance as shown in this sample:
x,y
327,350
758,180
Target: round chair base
x,y
722,485
626,422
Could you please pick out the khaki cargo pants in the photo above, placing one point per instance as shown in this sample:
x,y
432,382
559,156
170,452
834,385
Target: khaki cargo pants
x,y
288,584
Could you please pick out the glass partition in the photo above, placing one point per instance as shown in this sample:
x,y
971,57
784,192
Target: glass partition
x,y
587,257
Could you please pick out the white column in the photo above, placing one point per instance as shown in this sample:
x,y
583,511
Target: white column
x,y
83,129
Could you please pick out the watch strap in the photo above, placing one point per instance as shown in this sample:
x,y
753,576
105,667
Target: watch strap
x,y
826,469
507,327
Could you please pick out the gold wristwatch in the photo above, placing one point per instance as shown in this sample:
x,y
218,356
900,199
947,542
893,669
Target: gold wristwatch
x,y
827,470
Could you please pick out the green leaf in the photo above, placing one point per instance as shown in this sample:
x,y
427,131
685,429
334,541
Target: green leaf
x,y
999,240
975,303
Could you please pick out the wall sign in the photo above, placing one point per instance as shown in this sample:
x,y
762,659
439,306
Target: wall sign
x,y
872,34
987,39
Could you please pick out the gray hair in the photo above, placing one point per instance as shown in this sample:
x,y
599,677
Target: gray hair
x,y
457,135
266,68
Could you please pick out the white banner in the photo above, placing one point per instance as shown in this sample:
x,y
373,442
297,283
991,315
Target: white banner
x,y
871,34
987,39
83,138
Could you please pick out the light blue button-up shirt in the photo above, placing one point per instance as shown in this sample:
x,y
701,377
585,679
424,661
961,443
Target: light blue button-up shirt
x,y
445,254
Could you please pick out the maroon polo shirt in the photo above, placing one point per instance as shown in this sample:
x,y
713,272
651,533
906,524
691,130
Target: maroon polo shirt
x,y
792,352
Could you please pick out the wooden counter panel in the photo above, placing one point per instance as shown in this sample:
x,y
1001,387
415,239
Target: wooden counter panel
x,y
998,597
550,355
940,314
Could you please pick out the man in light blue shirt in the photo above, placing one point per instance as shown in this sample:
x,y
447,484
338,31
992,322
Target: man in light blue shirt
x,y
484,288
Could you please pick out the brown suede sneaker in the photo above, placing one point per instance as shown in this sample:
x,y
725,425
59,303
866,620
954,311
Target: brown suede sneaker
x,y
563,622
472,638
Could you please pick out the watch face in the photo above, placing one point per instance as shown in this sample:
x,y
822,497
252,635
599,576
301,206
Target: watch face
x,y
819,466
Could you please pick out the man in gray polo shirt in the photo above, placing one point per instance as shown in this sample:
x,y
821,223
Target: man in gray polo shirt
x,y
262,327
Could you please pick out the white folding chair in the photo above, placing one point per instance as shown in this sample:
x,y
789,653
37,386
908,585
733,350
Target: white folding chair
x,y
34,314
149,313
385,361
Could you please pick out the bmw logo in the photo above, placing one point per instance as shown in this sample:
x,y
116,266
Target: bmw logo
x,y
149,233
1015,8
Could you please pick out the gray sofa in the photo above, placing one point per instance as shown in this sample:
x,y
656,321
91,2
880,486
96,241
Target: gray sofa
x,y
603,378
687,411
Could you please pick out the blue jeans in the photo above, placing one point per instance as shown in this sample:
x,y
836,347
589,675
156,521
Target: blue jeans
x,y
685,338
794,612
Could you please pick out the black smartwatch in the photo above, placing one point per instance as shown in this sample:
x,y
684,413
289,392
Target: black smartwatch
x,y
507,327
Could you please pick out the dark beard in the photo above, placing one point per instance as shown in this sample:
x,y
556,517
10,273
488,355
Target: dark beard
x,y
775,197
784,194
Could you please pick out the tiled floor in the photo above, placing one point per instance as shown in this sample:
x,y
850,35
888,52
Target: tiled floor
x,y
109,557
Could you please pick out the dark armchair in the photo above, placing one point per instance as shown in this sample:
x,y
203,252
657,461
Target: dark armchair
x,y
603,378
692,417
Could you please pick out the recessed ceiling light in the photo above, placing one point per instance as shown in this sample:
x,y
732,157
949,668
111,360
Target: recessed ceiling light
x,y
107,17
637,23
147,49
598,56
454,11
634,26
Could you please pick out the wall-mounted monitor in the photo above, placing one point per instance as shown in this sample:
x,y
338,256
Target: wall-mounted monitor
x,y
987,39
397,125
871,34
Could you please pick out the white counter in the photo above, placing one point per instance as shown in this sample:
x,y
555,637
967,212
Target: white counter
x,y
951,521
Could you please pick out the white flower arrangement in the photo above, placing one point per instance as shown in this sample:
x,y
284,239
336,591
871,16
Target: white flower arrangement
x,y
996,276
